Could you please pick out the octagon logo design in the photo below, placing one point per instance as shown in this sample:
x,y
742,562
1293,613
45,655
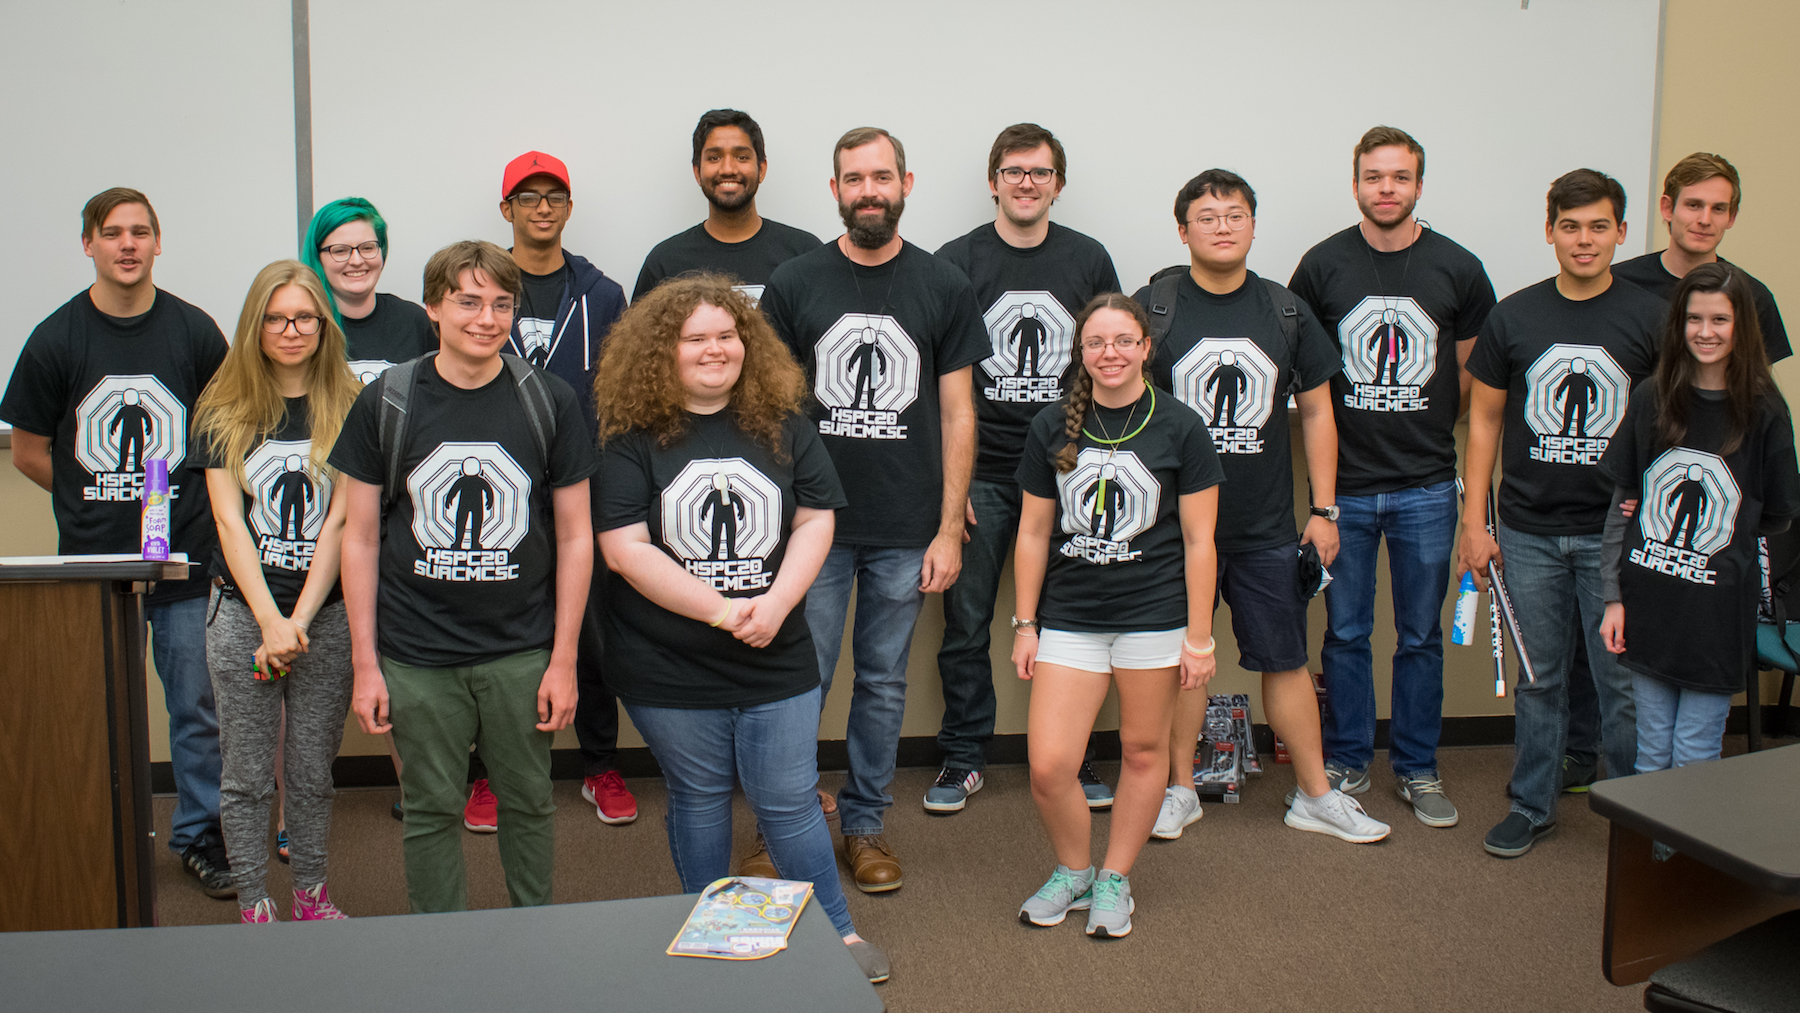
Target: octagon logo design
x,y
1576,391
1229,381
1690,501
287,503
1033,341
1109,497
125,420
866,362
721,509
471,496
1389,341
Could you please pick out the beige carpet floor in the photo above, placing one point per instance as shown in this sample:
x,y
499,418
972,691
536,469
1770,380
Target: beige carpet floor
x,y
1241,914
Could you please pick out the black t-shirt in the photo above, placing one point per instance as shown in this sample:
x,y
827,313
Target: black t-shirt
x,y
396,331
1397,318
111,393
284,509
1688,574
540,297
720,504
1117,561
468,548
873,341
751,262
1568,368
1030,298
1227,357
1648,273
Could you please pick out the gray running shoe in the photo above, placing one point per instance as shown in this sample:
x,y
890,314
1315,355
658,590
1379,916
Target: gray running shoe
x,y
1348,780
1425,790
1337,814
1180,809
873,962
1066,891
952,790
1110,915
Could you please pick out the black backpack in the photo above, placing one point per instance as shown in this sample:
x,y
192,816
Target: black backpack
x,y
397,385
1166,284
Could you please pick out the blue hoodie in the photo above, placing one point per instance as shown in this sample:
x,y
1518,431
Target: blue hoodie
x,y
592,304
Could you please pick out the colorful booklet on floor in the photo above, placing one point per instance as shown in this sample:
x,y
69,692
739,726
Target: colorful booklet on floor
x,y
741,918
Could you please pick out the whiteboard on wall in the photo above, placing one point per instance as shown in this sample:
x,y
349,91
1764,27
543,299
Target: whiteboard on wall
x,y
419,106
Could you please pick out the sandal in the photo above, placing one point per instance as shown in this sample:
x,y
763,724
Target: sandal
x,y
281,845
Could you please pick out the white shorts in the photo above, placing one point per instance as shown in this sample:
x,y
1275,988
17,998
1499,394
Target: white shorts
x,y
1106,652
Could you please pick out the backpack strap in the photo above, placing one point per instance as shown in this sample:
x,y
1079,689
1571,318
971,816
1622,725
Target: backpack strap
x,y
1165,285
397,385
534,395
1287,309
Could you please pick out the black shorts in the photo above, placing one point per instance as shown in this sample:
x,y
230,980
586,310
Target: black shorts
x,y
1268,616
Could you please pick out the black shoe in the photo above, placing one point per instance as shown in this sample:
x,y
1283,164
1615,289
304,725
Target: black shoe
x,y
1099,796
205,858
1514,836
1578,776
398,813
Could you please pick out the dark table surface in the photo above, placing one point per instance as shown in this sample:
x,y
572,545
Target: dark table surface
x,y
1740,815
34,568
600,956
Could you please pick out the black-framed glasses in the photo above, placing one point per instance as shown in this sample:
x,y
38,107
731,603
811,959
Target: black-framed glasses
x,y
305,325
1123,343
341,252
1015,175
529,199
1235,221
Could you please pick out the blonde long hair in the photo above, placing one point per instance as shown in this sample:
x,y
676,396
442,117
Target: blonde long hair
x,y
242,404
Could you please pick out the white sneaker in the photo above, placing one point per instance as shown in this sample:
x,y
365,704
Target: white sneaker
x,y
1334,813
1180,808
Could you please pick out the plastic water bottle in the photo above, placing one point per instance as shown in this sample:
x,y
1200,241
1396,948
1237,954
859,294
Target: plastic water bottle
x,y
1462,629
155,517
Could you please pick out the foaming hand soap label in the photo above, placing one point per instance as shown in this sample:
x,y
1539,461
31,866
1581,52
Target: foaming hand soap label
x,y
155,517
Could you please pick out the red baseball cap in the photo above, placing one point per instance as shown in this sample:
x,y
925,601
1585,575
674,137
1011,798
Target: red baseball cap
x,y
532,163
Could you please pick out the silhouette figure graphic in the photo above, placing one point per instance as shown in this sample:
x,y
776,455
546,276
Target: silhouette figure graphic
x,y
1578,394
1031,336
536,335
473,497
1689,500
133,426
1104,501
867,366
1226,387
725,510
1390,343
292,493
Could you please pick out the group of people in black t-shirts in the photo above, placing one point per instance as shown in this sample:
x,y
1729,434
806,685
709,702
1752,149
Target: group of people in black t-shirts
x,y
404,503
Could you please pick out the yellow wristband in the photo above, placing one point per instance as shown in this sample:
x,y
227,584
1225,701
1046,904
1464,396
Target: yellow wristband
x,y
730,603
1212,645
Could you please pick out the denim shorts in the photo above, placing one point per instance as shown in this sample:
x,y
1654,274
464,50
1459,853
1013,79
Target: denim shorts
x,y
1105,652
1268,616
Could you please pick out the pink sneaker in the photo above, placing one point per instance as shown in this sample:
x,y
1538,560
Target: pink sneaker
x,y
314,905
482,813
612,800
261,914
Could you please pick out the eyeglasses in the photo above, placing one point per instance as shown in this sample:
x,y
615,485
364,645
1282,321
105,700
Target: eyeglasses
x,y
340,252
473,307
1123,343
305,324
1015,175
528,199
1234,221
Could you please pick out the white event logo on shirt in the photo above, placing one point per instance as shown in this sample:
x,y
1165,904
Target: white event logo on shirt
x,y
1390,347
1231,383
867,373
722,518
122,422
471,508
1575,397
1688,512
288,504
1033,340
1108,499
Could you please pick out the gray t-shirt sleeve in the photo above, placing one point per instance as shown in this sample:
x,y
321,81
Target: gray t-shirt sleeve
x,y
1612,545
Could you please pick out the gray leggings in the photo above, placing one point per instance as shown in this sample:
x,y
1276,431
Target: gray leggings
x,y
317,693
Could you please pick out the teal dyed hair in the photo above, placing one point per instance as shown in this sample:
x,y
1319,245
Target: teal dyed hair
x,y
329,219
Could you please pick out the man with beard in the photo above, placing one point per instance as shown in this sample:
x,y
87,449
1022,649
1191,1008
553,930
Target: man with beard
x,y
729,164
1404,305
904,457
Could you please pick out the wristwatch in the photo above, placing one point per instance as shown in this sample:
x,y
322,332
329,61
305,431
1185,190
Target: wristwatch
x,y
1330,513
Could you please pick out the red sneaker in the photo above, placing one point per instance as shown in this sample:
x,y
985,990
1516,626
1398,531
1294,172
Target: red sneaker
x,y
481,814
612,800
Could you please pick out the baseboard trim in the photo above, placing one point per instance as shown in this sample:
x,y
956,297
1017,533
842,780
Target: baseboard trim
x,y
922,751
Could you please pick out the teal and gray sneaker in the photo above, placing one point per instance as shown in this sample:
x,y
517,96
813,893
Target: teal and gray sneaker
x,y
1066,891
1109,917
952,790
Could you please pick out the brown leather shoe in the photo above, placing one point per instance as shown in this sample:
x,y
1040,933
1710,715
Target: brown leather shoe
x,y
757,863
828,805
872,863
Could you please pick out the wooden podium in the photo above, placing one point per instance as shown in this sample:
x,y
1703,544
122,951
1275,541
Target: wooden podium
x,y
75,841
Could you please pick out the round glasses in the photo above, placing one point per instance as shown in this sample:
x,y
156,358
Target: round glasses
x,y
341,252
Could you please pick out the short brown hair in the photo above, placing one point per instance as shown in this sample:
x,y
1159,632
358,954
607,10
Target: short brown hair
x,y
443,272
102,205
1027,137
1698,168
1580,188
1382,137
868,135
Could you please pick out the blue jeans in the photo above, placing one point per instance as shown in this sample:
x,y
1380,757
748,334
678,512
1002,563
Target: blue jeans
x,y
1420,525
1584,709
772,750
965,666
1675,726
887,607
1550,578
178,645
